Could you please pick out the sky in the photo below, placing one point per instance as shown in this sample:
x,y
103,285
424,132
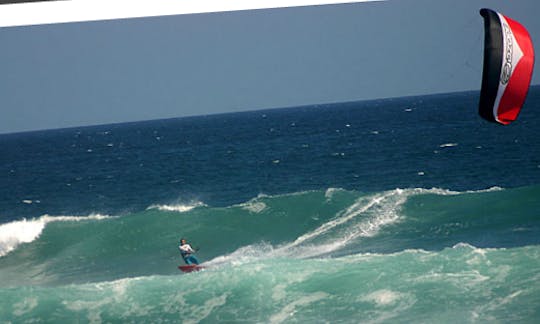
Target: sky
x,y
101,72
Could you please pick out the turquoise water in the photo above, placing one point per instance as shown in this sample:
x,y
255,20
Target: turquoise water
x,y
340,214
314,256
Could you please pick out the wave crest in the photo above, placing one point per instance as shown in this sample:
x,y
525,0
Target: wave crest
x,y
25,231
180,208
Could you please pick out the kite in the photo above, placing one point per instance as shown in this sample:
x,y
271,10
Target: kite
x,y
508,67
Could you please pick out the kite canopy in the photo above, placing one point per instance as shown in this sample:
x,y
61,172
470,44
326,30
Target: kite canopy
x,y
508,67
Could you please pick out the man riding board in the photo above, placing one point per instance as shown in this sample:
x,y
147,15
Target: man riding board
x,y
187,252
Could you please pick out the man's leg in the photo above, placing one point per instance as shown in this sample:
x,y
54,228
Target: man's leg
x,y
192,260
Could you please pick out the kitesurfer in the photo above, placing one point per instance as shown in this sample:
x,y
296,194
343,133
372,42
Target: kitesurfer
x,y
187,252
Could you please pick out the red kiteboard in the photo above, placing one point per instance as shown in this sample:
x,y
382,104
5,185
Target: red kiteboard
x,y
190,268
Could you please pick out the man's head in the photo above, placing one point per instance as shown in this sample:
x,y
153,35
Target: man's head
x,y
183,241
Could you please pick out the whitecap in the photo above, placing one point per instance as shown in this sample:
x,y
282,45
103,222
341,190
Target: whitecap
x,y
181,208
448,145
329,194
25,231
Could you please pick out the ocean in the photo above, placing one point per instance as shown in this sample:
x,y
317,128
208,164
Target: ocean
x,y
401,210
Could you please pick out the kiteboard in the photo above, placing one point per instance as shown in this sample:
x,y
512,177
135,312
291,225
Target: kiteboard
x,y
190,268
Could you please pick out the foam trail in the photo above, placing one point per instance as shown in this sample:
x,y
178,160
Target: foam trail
x,y
25,231
376,211
244,254
364,218
353,211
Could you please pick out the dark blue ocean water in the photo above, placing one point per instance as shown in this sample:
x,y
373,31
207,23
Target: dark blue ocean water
x,y
408,209
418,142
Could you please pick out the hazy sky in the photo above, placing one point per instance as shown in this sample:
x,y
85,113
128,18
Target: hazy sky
x,y
88,73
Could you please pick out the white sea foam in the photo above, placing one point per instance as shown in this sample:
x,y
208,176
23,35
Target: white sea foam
x,y
364,218
25,231
447,192
244,255
180,208
383,297
448,145
117,294
290,309
495,188
254,206
329,194
388,304
25,306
